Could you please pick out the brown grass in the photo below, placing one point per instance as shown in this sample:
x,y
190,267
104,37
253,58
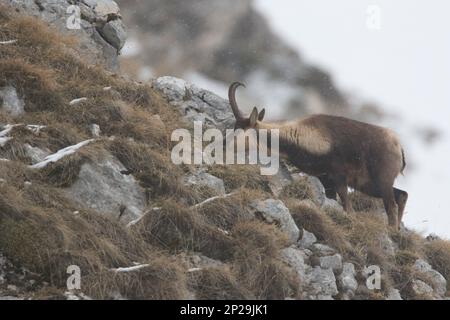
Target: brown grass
x,y
237,176
48,240
13,150
225,212
176,228
36,84
50,76
40,231
361,202
257,264
308,216
217,284
438,254
299,189
152,168
162,279
64,172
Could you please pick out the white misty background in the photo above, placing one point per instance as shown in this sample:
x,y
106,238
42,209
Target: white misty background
x,y
404,67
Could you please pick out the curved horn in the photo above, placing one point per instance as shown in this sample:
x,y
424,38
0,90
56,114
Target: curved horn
x,y
232,98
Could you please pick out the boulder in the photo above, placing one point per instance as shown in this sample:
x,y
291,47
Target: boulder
x,y
196,261
11,102
274,211
103,8
36,154
280,180
95,130
322,282
421,288
432,237
322,249
202,178
437,280
295,258
102,186
333,262
393,294
98,26
114,33
332,204
386,244
196,104
307,240
346,279
324,297
317,190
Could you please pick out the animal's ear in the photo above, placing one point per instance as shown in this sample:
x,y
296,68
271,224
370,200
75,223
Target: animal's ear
x,y
261,115
253,117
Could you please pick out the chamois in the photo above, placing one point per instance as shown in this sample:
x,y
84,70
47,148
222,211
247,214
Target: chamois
x,y
340,152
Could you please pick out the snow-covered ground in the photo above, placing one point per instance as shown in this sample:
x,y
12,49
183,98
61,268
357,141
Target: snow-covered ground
x,y
402,63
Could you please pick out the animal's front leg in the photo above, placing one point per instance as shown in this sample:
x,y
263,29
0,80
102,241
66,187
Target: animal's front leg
x,y
342,190
330,188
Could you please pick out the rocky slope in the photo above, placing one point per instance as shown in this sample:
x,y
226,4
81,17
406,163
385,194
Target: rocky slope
x,y
97,25
86,180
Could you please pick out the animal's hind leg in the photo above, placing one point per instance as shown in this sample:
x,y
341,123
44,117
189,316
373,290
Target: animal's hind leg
x,y
389,197
391,207
400,198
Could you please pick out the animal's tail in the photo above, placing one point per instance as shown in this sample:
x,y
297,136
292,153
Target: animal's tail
x,y
403,161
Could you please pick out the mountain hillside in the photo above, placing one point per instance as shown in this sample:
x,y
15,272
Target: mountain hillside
x,y
86,180
219,42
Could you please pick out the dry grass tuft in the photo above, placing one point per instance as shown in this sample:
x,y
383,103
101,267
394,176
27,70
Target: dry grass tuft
x,y
225,212
438,254
153,169
217,284
361,202
36,84
238,176
39,231
14,150
368,235
408,240
176,228
162,279
299,189
40,228
257,264
403,277
64,172
308,216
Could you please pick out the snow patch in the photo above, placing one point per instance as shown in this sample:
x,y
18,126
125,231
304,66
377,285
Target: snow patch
x,y
212,199
130,269
61,154
77,101
8,41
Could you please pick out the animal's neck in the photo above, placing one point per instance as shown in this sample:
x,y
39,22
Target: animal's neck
x,y
299,139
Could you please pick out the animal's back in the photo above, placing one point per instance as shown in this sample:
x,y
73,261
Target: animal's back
x,y
351,133
359,143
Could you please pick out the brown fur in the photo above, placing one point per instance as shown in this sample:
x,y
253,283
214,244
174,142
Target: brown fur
x,y
342,153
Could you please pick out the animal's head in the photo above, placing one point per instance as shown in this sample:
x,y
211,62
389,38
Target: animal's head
x,y
242,121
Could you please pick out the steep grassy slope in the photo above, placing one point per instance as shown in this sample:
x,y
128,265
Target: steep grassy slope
x,y
184,247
